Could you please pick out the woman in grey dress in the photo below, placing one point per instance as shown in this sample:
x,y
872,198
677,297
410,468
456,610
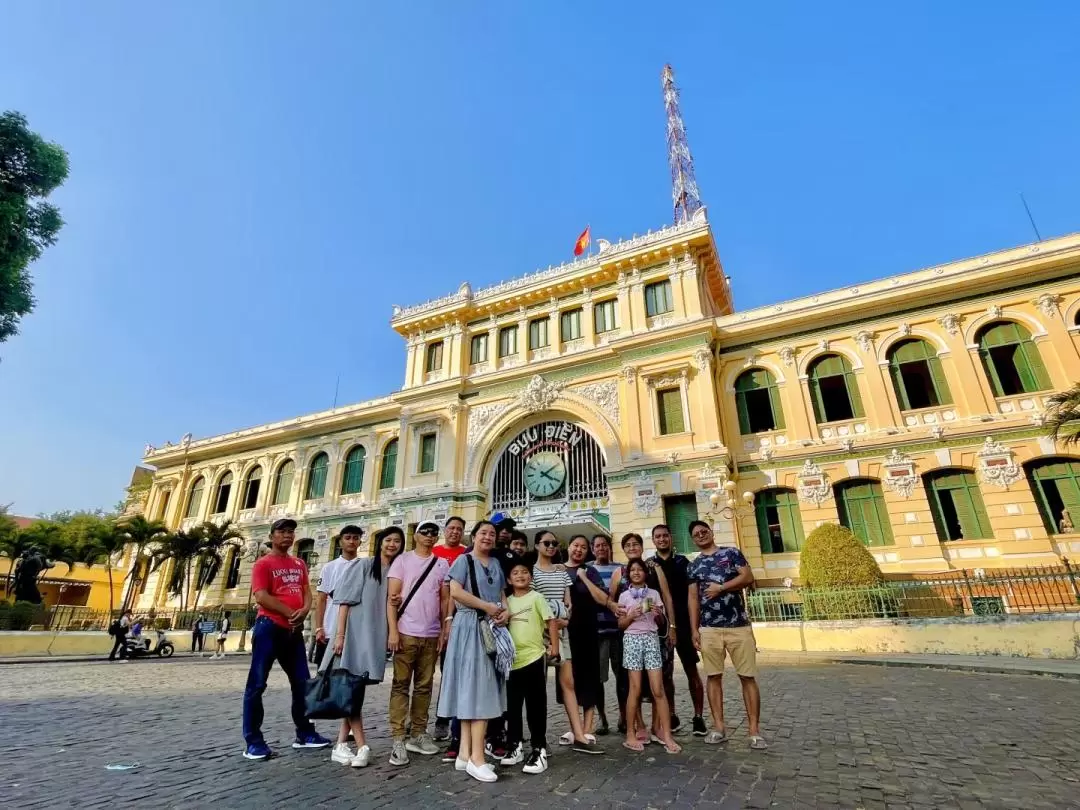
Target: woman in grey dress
x,y
471,690
360,642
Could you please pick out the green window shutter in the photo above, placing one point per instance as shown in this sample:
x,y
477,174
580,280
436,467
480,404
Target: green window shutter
x,y
852,384
761,516
669,405
941,385
991,371
774,402
744,414
979,521
1037,378
427,453
316,486
679,511
283,483
883,526
790,520
933,492
353,480
389,465
194,499
816,400
898,384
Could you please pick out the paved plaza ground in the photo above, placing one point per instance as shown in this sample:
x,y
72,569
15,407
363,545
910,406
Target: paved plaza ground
x,y
841,736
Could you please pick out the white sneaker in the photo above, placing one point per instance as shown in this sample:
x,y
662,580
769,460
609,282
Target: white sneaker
x,y
461,764
485,773
362,758
341,754
537,761
514,757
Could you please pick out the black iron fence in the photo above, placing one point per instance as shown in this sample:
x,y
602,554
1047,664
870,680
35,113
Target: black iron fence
x,y
25,616
981,592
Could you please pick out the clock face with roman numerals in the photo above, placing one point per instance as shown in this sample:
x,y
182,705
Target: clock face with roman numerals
x,y
545,473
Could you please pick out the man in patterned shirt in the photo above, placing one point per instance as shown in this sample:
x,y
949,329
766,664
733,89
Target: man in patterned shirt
x,y
720,626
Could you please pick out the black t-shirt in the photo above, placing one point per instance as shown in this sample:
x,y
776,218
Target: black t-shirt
x,y
507,560
675,571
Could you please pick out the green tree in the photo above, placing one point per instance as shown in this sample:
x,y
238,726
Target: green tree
x,y
1063,416
53,541
12,545
31,168
102,547
214,543
142,534
181,549
832,556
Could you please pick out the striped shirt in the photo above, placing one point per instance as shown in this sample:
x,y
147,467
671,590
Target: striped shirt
x,y
551,585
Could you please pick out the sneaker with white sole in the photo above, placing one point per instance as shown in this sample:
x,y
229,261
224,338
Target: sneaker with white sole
x,y
537,761
442,730
483,773
514,756
423,745
398,755
461,764
362,758
342,754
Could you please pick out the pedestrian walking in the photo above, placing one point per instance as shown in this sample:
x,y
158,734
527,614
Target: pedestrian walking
x,y
417,634
360,635
641,653
472,690
222,635
279,584
197,633
720,627
119,630
531,622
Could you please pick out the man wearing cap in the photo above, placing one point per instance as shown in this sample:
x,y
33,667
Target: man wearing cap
x,y
450,549
325,607
417,604
279,584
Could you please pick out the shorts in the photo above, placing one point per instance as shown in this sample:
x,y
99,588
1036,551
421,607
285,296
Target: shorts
x,y
642,652
738,642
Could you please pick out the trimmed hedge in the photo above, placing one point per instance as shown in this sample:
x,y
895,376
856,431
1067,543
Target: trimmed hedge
x,y
833,557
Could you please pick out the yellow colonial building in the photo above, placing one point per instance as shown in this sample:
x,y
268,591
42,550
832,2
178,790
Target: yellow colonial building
x,y
623,389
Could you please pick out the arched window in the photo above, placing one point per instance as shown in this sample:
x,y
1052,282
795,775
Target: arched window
x,y
251,488
778,521
917,376
1056,485
1012,361
221,499
305,550
834,389
236,557
282,483
194,502
862,509
758,401
956,505
353,480
316,484
389,465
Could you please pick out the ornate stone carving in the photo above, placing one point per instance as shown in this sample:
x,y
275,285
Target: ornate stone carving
x,y
702,359
454,408
847,444
660,321
900,474
813,483
148,449
865,339
673,457
787,355
1048,304
823,345
629,374
668,379
938,432
994,311
751,359
606,396
950,322
479,418
185,441
997,465
539,395
905,329
767,453
646,498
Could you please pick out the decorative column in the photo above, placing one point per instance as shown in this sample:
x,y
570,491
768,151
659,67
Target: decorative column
x,y
554,334
678,300
455,366
588,325
637,300
626,318
522,336
493,344
689,285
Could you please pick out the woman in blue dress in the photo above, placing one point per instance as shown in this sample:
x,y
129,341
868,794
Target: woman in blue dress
x,y
471,689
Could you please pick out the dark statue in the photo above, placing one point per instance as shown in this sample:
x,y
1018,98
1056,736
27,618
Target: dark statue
x,y
29,566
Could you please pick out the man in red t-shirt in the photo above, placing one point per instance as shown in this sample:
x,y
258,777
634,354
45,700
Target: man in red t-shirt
x,y
279,584
450,550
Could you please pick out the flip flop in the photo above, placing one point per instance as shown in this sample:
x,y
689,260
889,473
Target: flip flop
x,y
674,748
758,743
633,746
591,739
567,738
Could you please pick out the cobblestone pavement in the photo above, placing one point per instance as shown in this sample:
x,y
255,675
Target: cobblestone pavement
x,y
841,736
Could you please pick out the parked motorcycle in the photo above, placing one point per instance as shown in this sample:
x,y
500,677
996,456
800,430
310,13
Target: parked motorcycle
x,y
139,646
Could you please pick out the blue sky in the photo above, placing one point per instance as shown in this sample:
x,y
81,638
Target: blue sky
x,y
254,184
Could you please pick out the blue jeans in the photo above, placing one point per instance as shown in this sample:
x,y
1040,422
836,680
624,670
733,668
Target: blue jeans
x,y
271,642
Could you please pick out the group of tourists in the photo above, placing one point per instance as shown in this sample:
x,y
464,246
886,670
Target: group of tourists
x,y
459,607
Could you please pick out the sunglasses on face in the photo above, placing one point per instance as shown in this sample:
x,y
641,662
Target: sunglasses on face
x,y
549,544
429,533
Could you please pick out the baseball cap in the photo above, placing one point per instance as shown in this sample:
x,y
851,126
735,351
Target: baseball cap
x,y
282,523
427,524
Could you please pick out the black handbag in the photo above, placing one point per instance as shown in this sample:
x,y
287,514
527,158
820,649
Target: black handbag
x,y
333,693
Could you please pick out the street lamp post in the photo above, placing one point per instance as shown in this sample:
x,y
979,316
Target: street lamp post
x,y
732,506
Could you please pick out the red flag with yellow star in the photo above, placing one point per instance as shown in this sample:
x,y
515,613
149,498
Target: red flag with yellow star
x,y
583,241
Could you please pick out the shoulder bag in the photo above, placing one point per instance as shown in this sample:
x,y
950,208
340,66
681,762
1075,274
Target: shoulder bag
x,y
417,584
333,693
487,634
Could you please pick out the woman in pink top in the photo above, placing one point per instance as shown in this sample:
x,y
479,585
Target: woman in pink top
x,y
641,651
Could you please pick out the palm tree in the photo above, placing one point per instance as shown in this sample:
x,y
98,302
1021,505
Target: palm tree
x,y
12,544
105,544
180,548
141,533
53,541
1063,416
215,541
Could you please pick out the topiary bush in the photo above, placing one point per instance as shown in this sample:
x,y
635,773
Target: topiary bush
x,y
832,556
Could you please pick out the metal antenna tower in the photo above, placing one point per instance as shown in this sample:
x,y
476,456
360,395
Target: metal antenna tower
x,y
684,189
